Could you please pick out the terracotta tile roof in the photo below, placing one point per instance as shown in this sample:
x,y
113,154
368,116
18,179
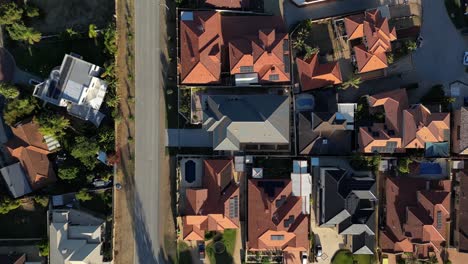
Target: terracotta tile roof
x,y
211,42
462,213
29,147
405,127
275,217
416,217
376,34
209,208
313,75
232,4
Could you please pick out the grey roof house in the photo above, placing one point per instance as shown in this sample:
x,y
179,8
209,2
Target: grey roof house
x,y
460,131
75,237
16,180
247,122
76,85
321,133
347,202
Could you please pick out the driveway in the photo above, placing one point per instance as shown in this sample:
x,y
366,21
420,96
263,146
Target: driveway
x,y
294,14
438,61
328,238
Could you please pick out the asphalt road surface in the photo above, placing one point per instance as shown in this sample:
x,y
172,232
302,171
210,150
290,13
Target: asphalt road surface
x,y
147,81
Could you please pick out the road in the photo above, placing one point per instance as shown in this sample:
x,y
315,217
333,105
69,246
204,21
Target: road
x,y
147,139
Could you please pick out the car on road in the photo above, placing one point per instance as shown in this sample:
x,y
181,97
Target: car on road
x,y
465,59
318,250
201,250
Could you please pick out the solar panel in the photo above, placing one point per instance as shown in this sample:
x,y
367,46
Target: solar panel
x,y
277,237
439,219
234,207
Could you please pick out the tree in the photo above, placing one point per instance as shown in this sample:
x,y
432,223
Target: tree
x,y
7,204
403,165
298,43
31,11
43,247
68,173
352,82
109,39
83,195
85,150
20,32
71,33
92,31
309,51
411,45
18,109
106,139
8,91
42,200
10,14
53,125
390,58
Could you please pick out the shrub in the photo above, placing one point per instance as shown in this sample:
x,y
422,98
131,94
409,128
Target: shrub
x,y
83,195
7,204
43,247
69,173
85,150
8,91
403,165
18,109
53,125
42,200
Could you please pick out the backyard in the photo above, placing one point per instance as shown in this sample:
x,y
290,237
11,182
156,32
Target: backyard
x,y
456,11
228,239
275,168
346,257
28,221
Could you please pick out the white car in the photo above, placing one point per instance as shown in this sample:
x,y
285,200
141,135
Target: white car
x,y
465,59
305,259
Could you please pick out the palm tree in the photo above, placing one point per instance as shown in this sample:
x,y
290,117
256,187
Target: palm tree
x,y
354,82
92,31
298,44
19,31
310,51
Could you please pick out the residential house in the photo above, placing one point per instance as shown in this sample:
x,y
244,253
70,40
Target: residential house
x,y
313,75
228,4
417,216
404,127
33,170
322,133
76,85
247,122
460,131
347,202
7,66
370,36
75,237
215,205
253,49
278,218
461,212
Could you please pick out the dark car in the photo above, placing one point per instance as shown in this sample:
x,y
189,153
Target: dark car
x,y
201,250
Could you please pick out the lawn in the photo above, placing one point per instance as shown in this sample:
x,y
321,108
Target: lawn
x,y
101,202
229,240
456,13
346,257
22,223
274,167
39,59
184,256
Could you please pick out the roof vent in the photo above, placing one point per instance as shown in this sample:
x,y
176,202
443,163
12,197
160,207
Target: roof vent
x,y
64,251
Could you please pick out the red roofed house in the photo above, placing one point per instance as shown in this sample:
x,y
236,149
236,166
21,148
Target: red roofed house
x,y
254,49
376,37
230,4
417,216
276,220
313,75
404,127
214,206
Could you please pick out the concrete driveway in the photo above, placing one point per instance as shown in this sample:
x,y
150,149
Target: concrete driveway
x,y
294,14
328,238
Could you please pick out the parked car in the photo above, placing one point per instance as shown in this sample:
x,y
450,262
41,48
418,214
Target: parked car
x,y
201,250
318,250
99,183
305,259
465,59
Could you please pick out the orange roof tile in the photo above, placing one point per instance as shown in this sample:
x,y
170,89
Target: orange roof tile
x,y
313,75
368,61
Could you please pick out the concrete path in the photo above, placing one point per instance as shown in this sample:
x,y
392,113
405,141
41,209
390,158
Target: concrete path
x,y
188,138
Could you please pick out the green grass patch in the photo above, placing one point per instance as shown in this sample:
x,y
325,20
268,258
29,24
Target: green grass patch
x,y
346,257
455,11
184,255
101,202
229,240
41,58
274,167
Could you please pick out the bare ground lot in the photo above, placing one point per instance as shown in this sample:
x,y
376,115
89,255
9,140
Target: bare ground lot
x,y
58,15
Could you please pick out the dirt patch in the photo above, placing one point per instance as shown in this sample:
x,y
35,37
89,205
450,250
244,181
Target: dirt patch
x,y
76,14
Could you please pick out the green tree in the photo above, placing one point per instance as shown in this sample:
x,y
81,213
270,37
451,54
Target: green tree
x,y
83,195
20,32
8,91
298,44
68,173
309,51
354,82
85,150
10,13
7,204
106,139
43,247
18,109
411,45
390,58
31,11
42,200
71,33
109,39
92,31
53,125
403,165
